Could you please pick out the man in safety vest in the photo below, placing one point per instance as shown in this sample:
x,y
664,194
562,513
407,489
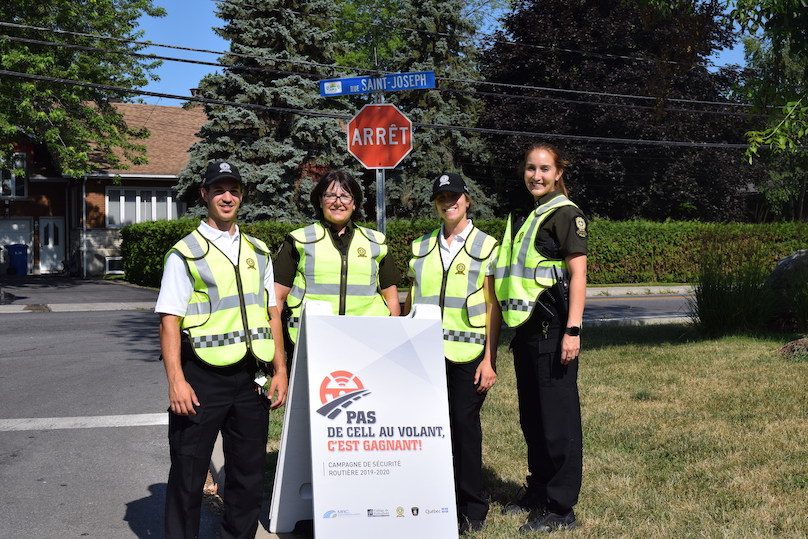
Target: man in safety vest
x,y
218,318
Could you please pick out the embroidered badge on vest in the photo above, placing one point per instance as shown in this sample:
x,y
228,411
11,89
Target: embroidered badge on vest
x,y
460,269
362,252
250,263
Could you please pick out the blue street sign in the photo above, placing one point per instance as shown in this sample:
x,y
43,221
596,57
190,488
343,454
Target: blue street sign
x,y
394,82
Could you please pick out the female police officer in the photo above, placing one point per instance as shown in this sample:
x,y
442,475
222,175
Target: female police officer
x,y
541,286
335,260
452,267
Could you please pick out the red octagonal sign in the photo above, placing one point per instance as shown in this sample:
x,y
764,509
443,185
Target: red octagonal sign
x,y
380,136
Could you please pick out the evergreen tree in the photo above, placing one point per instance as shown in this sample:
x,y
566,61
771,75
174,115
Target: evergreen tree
x,y
275,47
426,35
438,36
623,47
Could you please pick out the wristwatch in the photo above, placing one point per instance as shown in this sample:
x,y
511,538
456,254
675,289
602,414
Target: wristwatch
x,y
573,331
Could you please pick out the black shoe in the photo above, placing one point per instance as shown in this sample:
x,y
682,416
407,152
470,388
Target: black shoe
x,y
547,521
527,502
470,525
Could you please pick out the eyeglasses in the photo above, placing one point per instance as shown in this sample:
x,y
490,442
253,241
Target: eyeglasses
x,y
345,198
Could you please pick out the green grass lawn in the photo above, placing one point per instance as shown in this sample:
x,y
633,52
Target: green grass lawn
x,y
683,437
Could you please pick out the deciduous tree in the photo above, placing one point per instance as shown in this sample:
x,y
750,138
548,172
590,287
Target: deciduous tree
x,y
78,125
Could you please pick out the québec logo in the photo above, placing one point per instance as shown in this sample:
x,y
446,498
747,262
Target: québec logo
x,y
338,391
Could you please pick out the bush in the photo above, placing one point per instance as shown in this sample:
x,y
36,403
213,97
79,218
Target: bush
x,y
619,251
731,300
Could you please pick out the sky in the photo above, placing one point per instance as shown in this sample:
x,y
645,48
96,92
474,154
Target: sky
x,y
189,23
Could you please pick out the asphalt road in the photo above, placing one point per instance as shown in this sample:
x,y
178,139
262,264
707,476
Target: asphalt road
x,y
83,449
83,480
636,308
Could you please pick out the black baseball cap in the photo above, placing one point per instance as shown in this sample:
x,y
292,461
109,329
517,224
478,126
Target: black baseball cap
x,y
448,182
220,170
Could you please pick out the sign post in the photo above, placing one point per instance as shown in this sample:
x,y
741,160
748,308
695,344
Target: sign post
x,y
366,446
371,154
380,136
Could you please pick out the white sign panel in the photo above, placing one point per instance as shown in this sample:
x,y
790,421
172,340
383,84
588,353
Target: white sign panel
x,y
381,462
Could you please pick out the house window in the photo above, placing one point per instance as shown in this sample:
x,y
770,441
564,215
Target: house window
x,y
114,265
14,185
128,205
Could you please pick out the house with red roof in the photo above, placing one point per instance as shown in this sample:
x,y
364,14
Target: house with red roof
x,y
73,225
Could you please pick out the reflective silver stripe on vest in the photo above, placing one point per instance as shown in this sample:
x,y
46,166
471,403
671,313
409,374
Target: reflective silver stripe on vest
x,y
210,341
430,300
228,302
463,336
313,287
418,268
541,272
474,310
263,264
202,266
517,305
517,267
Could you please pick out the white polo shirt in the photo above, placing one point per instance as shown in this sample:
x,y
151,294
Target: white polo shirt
x,y
449,251
176,286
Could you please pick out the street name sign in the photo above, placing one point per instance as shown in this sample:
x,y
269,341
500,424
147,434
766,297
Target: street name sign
x,y
393,82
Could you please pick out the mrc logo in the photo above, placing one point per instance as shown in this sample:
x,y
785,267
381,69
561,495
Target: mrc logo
x,y
338,391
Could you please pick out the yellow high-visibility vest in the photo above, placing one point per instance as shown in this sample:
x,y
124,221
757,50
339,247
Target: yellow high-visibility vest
x,y
523,273
350,282
457,290
227,314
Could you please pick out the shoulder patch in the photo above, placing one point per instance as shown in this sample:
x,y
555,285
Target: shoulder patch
x,y
580,226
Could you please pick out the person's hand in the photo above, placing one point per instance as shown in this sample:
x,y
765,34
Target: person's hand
x,y
485,377
570,348
182,398
278,386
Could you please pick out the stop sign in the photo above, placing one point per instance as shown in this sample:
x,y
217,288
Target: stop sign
x,y
379,136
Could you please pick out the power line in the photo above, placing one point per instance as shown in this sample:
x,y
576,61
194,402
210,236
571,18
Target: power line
x,y
88,48
281,72
595,54
340,67
311,113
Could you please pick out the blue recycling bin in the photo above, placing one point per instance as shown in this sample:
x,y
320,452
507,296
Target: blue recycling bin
x,y
18,258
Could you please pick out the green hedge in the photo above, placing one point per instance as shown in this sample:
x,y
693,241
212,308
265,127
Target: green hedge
x,y
619,251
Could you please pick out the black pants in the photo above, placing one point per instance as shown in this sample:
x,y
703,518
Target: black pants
x,y
228,402
550,415
467,439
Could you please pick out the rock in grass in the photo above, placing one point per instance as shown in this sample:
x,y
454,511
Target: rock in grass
x,y
795,349
788,284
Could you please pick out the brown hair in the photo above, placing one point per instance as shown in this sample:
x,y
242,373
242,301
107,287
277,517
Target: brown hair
x,y
560,163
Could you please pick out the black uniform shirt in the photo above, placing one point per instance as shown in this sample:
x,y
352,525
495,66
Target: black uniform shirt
x,y
285,264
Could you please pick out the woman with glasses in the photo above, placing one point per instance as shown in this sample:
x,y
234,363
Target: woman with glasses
x,y
453,267
336,260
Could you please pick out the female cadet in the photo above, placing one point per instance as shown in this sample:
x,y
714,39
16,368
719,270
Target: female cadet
x,y
335,260
453,267
541,286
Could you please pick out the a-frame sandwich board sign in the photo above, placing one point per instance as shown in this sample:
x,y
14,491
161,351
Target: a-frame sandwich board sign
x,y
366,447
